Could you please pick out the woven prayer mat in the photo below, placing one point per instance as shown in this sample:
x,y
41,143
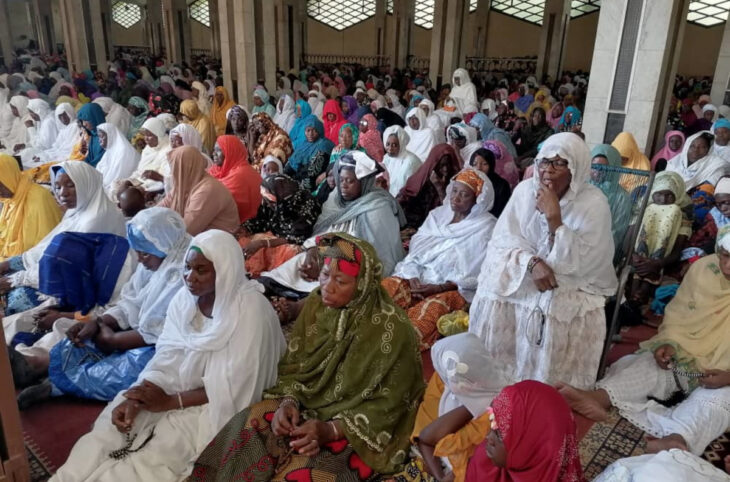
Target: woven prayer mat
x,y
41,468
608,441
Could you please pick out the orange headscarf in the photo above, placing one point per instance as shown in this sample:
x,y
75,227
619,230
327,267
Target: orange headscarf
x,y
238,176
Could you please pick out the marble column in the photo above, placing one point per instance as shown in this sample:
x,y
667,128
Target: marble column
x,y
237,23
74,35
227,44
177,34
266,43
379,37
721,82
154,27
215,40
43,18
448,38
554,33
6,34
400,36
479,22
635,59
97,36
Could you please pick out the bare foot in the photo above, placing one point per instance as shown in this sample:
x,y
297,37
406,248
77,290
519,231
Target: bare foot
x,y
674,441
727,464
590,404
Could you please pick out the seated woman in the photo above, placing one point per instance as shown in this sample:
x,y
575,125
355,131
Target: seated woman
x,y
139,110
63,143
631,155
332,119
355,429
531,136
29,212
673,143
121,338
347,140
266,138
90,116
190,114
202,201
439,275
689,354
231,168
186,135
271,166
527,432
399,162
718,217
79,190
18,135
284,221
216,355
120,159
608,182
700,169
222,103
422,138
463,138
311,158
43,132
296,133
505,164
357,207
426,189
237,123
369,138
483,160
543,283
662,236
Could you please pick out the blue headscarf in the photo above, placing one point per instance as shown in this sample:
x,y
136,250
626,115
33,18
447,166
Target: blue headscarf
x,y
94,114
721,123
481,122
296,134
307,150
524,102
138,242
573,120
81,269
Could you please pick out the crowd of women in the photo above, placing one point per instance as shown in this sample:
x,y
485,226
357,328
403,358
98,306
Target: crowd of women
x,y
156,236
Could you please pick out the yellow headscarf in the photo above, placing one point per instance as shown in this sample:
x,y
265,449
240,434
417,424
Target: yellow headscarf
x,y
629,149
218,111
64,99
189,108
545,104
28,216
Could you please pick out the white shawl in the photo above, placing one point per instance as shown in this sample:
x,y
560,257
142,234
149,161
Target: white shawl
x,y
115,113
120,159
581,253
154,158
94,213
6,115
286,115
441,252
708,169
465,94
43,133
434,121
202,99
145,298
236,353
19,131
402,166
68,136
423,139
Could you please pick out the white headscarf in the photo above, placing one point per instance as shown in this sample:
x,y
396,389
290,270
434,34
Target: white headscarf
x,y
470,133
145,298
202,99
402,166
94,213
708,169
441,251
269,158
286,115
19,131
120,158
45,131
234,355
465,94
191,137
6,115
68,136
421,140
115,113
491,106
154,158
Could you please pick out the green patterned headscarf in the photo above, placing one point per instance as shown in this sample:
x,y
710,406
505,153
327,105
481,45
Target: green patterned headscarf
x,y
359,364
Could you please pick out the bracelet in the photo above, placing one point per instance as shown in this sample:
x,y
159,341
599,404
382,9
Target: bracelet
x,y
533,262
289,401
334,430
179,401
268,245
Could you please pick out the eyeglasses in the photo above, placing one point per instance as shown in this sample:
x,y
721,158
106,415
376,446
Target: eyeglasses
x,y
557,164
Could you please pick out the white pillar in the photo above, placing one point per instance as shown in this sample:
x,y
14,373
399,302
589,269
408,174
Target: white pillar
x,y
448,38
552,38
632,73
479,24
6,35
97,35
721,81
266,44
245,49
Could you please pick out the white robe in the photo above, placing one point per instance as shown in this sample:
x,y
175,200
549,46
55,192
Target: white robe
x,y
464,94
233,355
421,140
672,465
120,159
708,169
6,115
43,133
115,113
153,158
68,136
287,115
402,167
19,131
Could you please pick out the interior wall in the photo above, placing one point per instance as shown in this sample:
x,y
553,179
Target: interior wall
x,y
510,37
356,40
19,21
580,42
421,46
133,36
201,36
700,50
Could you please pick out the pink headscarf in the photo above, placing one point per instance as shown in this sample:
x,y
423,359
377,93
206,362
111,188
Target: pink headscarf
x,y
665,152
505,163
371,140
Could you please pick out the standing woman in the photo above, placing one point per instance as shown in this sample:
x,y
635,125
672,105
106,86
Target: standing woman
x,y
231,167
217,353
222,103
29,212
202,201
352,366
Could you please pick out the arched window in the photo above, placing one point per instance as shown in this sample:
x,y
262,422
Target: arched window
x,y
126,14
200,11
